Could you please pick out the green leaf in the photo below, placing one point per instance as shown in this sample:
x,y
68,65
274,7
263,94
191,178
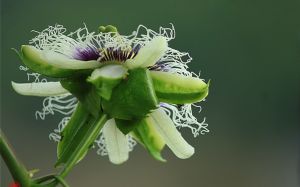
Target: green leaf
x,y
85,93
78,136
133,98
106,78
34,60
147,135
178,89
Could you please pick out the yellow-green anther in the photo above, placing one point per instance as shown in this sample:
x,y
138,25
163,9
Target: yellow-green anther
x,y
149,54
178,89
172,137
106,78
56,60
116,143
108,28
42,89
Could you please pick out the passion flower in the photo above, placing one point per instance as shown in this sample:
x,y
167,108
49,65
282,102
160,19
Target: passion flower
x,y
116,88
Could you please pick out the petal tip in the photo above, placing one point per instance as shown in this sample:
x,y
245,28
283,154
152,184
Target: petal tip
x,y
187,153
118,161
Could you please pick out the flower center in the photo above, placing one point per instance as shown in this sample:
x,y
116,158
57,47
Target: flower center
x,y
112,54
105,54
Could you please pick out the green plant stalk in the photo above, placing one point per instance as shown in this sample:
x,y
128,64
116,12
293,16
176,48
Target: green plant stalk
x,y
20,173
17,170
73,161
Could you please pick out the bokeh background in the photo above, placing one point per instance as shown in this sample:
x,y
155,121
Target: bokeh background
x,y
249,49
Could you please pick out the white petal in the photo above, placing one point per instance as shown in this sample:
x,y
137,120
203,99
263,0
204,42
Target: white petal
x,y
42,89
150,53
58,60
61,61
171,135
116,143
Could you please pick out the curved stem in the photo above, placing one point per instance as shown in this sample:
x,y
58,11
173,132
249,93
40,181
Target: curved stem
x,y
20,173
17,170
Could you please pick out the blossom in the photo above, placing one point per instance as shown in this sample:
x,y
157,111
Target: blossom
x,y
117,88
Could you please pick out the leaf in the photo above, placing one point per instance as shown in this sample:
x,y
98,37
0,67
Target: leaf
x,y
178,89
85,93
106,78
149,137
133,98
78,136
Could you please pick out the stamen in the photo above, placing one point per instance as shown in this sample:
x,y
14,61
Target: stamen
x,y
111,54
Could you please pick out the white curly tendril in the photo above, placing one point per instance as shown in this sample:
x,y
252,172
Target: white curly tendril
x,y
55,38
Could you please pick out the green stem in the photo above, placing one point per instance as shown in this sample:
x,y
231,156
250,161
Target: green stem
x,y
49,181
61,181
17,170
98,126
20,173
44,178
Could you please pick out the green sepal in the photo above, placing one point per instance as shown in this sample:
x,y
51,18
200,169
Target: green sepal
x,y
133,98
178,89
78,137
126,126
106,78
33,60
149,138
85,92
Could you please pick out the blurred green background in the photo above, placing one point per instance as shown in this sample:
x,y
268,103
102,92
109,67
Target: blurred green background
x,y
249,49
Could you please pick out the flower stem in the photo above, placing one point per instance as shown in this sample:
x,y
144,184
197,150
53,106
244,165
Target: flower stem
x,y
17,170
79,151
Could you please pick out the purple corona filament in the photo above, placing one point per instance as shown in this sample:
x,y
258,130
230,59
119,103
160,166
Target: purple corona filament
x,y
86,54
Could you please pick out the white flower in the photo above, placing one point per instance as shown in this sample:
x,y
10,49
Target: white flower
x,y
110,56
